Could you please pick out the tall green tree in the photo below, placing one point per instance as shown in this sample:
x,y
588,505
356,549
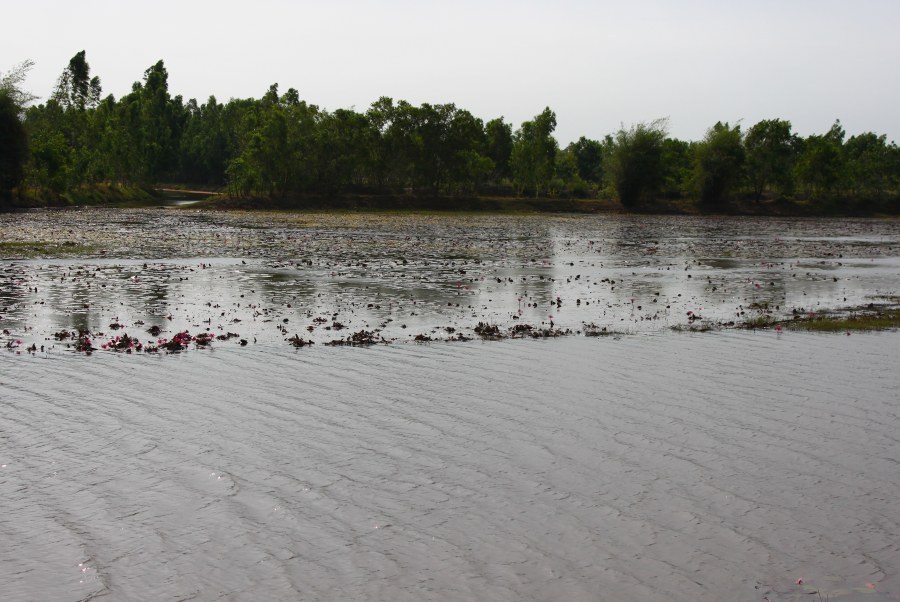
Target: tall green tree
x,y
13,135
468,166
156,117
589,159
49,164
771,151
280,155
13,149
720,163
534,150
447,144
204,148
567,180
345,141
679,167
75,87
498,148
871,165
635,162
820,166
395,145
11,83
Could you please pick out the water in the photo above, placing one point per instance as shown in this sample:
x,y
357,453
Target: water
x,y
650,466
270,276
576,469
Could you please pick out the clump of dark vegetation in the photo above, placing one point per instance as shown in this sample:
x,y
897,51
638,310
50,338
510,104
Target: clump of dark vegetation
x,y
458,337
83,342
520,330
298,342
593,330
123,343
488,331
363,338
203,339
529,331
868,318
549,333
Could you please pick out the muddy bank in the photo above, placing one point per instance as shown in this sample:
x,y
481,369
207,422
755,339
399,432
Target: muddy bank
x,y
414,203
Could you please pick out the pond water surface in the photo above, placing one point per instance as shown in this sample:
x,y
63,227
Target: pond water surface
x,y
646,465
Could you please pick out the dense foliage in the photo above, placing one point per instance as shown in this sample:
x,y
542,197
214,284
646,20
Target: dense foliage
x,y
13,137
281,146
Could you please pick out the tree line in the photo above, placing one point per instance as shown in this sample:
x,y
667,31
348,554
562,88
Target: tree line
x,y
279,145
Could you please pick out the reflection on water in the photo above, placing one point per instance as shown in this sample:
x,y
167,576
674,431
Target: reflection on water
x,y
405,275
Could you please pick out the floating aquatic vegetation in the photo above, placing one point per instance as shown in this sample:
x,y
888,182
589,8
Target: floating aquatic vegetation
x,y
297,341
83,342
593,330
123,343
363,338
521,330
488,331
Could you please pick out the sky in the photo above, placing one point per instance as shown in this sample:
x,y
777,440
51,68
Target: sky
x,y
598,64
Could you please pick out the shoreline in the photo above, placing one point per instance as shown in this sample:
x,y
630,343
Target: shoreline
x,y
127,197
494,204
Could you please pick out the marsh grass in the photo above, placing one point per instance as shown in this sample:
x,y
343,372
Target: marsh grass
x,y
757,322
888,319
860,319
40,248
701,327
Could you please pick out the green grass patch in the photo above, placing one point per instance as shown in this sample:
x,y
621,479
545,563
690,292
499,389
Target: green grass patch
x,y
42,248
94,195
863,318
110,195
757,322
888,319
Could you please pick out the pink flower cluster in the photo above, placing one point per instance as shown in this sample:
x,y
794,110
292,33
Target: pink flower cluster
x,y
123,343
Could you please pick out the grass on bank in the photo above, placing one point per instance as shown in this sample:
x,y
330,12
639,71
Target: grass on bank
x,y
389,203
862,321
93,195
42,248
859,320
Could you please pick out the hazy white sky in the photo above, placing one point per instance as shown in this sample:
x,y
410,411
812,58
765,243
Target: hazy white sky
x,y
597,64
